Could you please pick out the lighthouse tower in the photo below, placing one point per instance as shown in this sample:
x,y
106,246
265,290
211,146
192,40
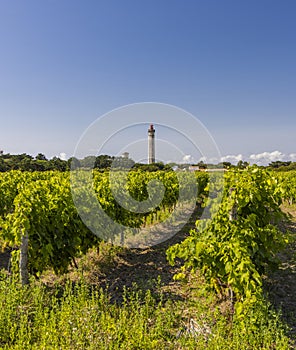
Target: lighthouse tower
x,y
151,145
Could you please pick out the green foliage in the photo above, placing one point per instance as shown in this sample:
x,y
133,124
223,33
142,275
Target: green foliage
x,y
233,248
41,204
81,317
287,181
279,164
151,167
26,162
103,161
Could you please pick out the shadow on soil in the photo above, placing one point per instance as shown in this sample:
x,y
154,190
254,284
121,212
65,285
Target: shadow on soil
x,y
147,269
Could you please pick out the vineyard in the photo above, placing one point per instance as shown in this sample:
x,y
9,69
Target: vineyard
x,y
207,290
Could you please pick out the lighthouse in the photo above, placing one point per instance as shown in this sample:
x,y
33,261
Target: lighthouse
x,y
151,145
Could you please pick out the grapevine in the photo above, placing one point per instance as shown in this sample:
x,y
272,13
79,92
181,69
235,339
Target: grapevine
x,y
39,206
233,248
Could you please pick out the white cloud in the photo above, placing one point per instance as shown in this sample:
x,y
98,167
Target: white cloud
x,y
267,156
63,156
292,157
232,158
263,158
188,159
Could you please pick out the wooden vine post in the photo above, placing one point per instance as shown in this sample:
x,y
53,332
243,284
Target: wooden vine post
x,y
23,264
233,211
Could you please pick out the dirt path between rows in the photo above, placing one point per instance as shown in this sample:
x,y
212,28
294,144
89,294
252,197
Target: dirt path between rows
x,y
142,269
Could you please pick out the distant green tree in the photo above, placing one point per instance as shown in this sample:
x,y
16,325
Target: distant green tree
x,y
103,161
172,165
6,155
73,163
202,165
3,165
151,167
88,162
41,165
20,162
289,167
226,165
26,164
58,164
123,163
40,156
278,164
242,165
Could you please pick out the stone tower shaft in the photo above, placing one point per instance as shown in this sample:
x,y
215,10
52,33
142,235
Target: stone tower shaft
x,y
151,145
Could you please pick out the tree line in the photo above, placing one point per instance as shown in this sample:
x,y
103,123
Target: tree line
x,y
26,162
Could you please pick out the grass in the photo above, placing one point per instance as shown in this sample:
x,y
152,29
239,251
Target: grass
x,y
78,316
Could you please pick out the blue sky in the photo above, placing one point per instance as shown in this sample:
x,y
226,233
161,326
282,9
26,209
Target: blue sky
x,y
230,63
